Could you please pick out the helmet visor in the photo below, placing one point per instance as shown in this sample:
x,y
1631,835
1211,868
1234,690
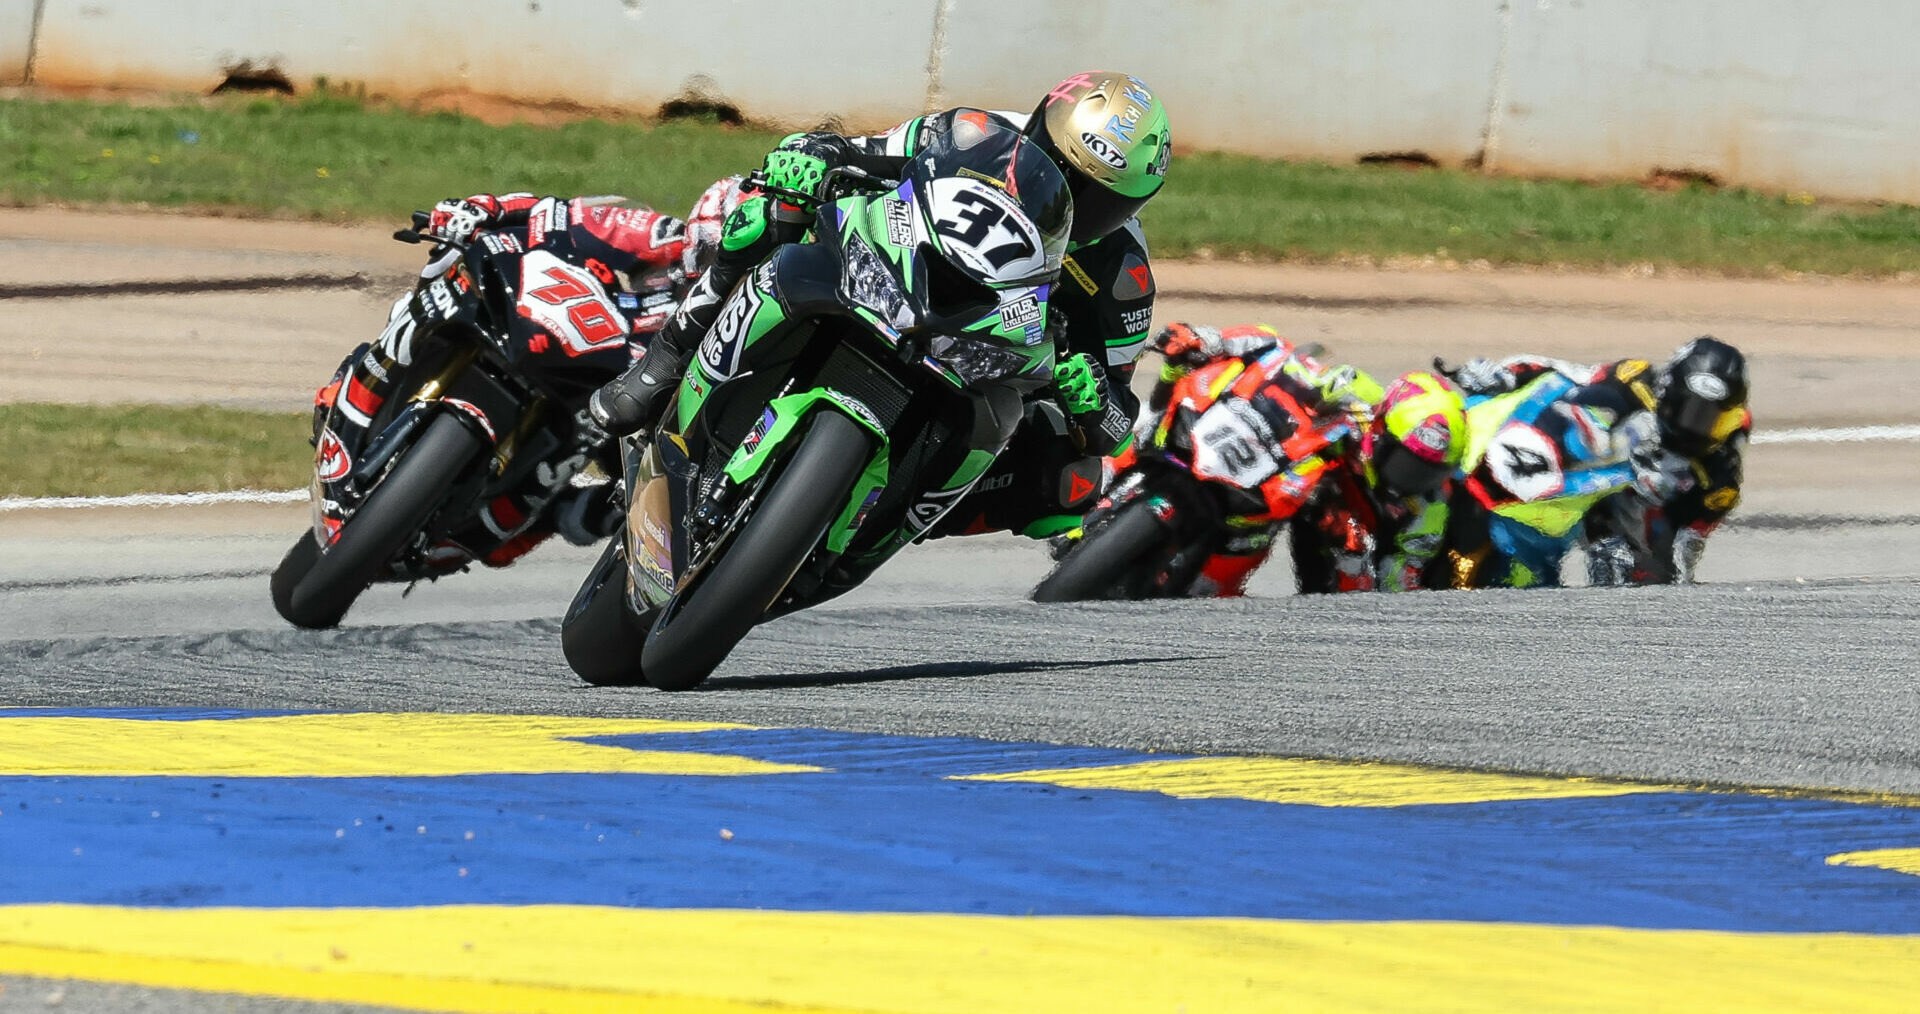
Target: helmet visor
x,y
1406,473
1693,424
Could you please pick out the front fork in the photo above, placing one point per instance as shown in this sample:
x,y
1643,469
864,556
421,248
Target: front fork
x,y
347,464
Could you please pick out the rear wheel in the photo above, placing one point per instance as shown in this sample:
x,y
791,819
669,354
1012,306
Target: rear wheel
x,y
314,588
1105,557
702,624
601,636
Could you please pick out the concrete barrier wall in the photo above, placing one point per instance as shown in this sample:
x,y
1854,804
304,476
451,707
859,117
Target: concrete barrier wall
x,y
16,40
1785,94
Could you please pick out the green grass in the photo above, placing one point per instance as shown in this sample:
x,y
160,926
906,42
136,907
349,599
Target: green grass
x,y
96,450
327,156
1236,205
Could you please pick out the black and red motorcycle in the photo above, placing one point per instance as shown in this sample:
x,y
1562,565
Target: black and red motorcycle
x,y
446,441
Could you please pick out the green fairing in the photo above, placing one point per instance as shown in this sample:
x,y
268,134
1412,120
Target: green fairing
x,y
865,217
699,381
787,414
1052,525
972,467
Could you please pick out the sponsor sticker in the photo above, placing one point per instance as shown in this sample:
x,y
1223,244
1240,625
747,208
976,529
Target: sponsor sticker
x,y
1707,386
331,464
931,507
759,431
1135,280
1020,312
442,297
720,350
1079,274
501,242
1104,150
899,221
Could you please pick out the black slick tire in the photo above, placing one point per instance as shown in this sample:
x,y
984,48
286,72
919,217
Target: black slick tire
x,y
1104,557
391,515
601,636
694,635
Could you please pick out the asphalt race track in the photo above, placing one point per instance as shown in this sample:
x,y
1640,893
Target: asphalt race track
x,y
934,796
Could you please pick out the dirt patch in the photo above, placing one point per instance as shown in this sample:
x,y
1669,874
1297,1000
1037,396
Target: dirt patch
x,y
1670,180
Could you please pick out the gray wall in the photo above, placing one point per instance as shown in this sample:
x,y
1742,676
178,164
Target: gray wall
x,y
1783,94
16,39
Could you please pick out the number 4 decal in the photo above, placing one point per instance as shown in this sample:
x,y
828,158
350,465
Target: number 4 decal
x,y
1525,461
572,305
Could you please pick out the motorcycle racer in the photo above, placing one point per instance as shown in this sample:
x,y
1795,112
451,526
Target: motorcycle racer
x,y
1368,510
1107,133
618,245
1377,518
1380,518
1688,473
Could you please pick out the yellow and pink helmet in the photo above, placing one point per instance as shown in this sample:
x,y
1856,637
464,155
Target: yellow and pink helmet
x,y
1418,434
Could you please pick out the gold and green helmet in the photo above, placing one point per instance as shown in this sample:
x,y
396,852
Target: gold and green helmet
x,y
1108,134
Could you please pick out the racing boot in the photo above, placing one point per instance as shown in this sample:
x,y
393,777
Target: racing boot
x,y
634,400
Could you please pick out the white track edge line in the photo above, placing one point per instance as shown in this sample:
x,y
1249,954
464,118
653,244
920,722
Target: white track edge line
x,y
1843,434
36,503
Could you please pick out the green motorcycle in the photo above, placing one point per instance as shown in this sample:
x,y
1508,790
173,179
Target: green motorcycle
x,y
854,387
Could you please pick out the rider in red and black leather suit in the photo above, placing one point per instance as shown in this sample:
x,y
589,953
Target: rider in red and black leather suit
x,y
617,244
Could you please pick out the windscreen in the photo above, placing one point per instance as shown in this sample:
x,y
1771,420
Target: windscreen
x,y
998,207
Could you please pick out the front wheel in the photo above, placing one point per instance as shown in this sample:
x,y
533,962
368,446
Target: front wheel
x,y
601,636
315,587
702,624
1106,556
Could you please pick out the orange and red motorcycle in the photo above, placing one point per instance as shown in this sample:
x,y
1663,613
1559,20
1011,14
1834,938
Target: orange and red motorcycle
x,y
1194,508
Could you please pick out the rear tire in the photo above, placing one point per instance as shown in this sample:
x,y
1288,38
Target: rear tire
x,y
601,636
1105,556
699,627
396,509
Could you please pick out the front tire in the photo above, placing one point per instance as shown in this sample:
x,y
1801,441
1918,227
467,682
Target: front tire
x,y
600,636
1105,556
700,626
319,585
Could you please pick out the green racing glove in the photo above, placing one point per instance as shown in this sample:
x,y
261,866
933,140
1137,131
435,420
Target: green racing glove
x,y
1100,426
1082,388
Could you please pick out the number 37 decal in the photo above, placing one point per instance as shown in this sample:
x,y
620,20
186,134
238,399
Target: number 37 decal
x,y
985,229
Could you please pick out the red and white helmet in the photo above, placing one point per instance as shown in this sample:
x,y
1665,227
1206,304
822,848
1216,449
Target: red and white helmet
x,y
707,221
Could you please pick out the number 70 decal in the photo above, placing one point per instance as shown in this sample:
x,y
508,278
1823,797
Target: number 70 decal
x,y
570,304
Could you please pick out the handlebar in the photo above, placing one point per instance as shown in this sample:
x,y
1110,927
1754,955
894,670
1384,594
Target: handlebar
x,y
857,178
417,234
414,234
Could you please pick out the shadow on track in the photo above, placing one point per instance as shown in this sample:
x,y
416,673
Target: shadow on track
x,y
927,670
